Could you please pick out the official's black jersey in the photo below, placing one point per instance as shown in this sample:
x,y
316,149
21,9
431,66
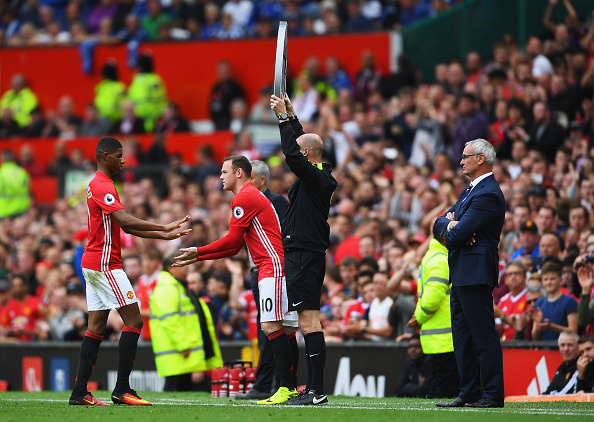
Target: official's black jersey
x,y
305,225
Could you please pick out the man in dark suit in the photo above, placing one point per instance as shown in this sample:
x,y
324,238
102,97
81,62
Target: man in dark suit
x,y
266,366
472,228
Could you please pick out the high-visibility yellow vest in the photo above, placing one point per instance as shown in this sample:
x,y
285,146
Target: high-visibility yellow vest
x,y
433,306
175,327
109,96
149,95
15,183
21,104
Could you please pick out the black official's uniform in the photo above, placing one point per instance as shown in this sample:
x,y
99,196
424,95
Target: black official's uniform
x,y
305,229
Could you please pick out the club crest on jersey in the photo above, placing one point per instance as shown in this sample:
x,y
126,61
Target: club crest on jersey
x,y
238,212
130,294
109,199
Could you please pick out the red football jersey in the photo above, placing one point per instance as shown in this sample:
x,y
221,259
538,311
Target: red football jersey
x,y
249,304
103,252
255,223
22,315
144,289
253,210
512,305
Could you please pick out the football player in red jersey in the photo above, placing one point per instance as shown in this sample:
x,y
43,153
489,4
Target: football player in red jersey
x,y
108,286
255,223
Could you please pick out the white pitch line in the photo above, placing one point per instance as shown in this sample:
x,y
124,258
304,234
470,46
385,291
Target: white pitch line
x,y
180,402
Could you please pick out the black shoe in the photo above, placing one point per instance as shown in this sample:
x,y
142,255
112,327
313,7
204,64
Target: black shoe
x,y
253,394
456,403
308,398
485,403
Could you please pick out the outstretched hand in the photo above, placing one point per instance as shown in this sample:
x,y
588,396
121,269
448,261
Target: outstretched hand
x,y
176,234
176,224
187,257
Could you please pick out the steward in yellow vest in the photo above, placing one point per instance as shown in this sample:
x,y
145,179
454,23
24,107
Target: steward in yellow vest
x,y
148,93
110,93
20,100
15,196
182,330
432,315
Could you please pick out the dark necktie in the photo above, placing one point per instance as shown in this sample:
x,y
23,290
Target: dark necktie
x,y
467,192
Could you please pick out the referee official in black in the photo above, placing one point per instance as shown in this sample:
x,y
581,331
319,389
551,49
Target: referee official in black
x,y
306,236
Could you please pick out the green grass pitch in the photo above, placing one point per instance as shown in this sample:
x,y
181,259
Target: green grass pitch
x,y
53,406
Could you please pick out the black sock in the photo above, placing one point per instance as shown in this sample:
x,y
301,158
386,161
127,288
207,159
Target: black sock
x,y
295,352
88,356
127,352
317,359
283,357
308,385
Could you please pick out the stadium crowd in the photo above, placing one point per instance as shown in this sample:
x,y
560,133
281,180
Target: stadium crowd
x,y
34,22
395,144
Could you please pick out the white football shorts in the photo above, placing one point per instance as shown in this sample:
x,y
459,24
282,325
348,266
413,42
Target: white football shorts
x,y
108,289
274,304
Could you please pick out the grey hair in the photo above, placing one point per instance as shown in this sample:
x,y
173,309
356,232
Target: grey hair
x,y
568,333
261,169
517,263
535,288
481,146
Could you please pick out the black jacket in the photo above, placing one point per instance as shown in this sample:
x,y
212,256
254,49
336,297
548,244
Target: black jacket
x,y
305,225
565,379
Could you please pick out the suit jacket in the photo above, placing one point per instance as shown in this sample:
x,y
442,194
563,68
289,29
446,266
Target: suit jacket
x,y
279,202
483,213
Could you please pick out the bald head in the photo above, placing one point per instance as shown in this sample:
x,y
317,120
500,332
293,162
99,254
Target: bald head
x,y
311,146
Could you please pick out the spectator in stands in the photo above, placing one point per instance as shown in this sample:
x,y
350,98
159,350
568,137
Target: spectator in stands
x,y
368,78
336,76
455,80
93,124
22,318
565,380
211,26
104,9
528,245
416,377
154,18
130,122
15,182
557,312
355,21
228,30
67,313
306,100
20,100
151,267
148,92
225,90
172,121
586,299
474,67
513,304
28,162
411,11
66,121
240,12
549,246
132,31
546,134
8,126
471,124
584,364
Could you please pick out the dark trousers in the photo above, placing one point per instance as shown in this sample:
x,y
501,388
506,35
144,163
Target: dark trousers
x,y
183,382
445,381
267,372
476,343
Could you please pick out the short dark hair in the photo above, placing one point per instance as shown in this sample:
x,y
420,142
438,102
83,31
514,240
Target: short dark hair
x,y
586,339
552,266
107,144
240,162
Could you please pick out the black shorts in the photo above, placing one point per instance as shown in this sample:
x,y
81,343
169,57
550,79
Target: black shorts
x,y
304,272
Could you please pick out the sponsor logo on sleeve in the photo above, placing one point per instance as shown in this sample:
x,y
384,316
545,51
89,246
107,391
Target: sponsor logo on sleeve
x,y
238,212
109,199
